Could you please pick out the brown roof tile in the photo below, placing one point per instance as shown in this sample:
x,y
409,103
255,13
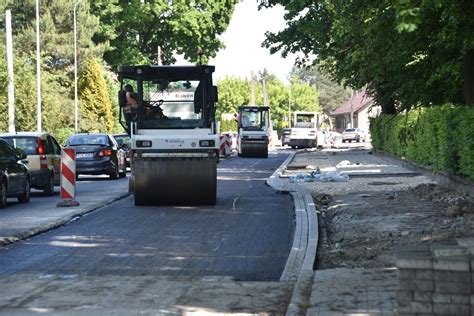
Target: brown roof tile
x,y
358,101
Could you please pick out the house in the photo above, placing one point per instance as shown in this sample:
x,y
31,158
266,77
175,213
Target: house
x,y
361,107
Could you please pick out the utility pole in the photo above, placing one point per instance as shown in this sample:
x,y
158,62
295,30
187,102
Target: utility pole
x,y
75,67
252,89
11,86
38,70
265,93
158,55
352,113
289,107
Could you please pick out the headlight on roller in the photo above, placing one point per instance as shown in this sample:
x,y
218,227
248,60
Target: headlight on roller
x,y
143,143
206,143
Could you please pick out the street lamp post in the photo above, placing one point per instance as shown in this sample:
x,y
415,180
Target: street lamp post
x,y
11,85
38,70
75,66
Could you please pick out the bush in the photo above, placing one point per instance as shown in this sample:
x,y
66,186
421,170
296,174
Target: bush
x,y
228,126
438,137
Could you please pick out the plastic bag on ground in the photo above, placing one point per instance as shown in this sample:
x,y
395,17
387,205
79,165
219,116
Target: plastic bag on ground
x,y
317,176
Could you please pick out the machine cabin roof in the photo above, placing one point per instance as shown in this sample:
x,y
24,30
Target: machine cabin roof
x,y
254,108
148,72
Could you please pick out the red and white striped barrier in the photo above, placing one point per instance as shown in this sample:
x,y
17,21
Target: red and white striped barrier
x,y
68,178
227,144
222,145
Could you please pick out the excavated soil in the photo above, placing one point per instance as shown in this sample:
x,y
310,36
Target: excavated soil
x,y
362,230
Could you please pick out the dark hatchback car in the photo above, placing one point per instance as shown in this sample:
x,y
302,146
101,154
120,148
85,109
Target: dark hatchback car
x,y
98,154
14,175
285,136
123,140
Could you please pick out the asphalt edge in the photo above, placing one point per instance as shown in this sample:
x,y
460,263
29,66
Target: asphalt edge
x,y
28,233
302,256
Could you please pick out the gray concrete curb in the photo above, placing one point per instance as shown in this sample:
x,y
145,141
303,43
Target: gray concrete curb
x,y
457,183
299,265
5,241
273,181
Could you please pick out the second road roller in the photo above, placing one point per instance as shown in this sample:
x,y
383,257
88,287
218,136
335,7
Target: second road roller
x,y
254,131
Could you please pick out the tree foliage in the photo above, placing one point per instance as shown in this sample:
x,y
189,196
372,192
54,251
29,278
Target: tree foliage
x,y
95,105
331,94
361,43
126,31
234,92
136,30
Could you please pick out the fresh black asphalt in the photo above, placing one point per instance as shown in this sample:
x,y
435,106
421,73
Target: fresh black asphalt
x,y
246,236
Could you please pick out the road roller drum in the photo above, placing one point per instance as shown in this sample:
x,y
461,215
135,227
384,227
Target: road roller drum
x,y
254,150
175,181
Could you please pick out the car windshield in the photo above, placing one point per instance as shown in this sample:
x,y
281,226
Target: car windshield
x,y
305,121
350,130
29,145
77,140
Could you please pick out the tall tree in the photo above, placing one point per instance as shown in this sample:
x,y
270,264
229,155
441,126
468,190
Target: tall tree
x,y
136,29
359,43
331,94
95,106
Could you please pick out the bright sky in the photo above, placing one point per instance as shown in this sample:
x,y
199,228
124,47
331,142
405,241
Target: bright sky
x,y
243,39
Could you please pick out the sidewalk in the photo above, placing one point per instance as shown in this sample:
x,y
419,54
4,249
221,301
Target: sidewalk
x,y
21,221
362,221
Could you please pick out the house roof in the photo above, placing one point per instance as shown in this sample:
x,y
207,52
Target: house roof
x,y
358,102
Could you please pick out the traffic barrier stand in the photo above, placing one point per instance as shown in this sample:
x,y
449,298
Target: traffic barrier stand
x,y
233,142
228,142
68,178
222,145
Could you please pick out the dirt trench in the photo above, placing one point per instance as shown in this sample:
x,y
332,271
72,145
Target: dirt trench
x,y
362,230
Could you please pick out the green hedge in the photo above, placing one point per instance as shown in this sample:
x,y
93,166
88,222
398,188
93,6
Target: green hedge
x,y
440,137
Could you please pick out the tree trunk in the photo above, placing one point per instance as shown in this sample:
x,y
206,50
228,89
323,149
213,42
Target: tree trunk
x,y
387,103
468,67
389,107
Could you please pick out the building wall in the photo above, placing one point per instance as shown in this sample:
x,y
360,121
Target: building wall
x,y
364,115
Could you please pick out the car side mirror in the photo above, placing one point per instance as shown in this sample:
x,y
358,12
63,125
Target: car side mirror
x,y
122,98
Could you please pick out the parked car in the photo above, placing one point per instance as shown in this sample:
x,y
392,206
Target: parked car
x,y
124,142
351,134
98,154
14,175
43,154
285,136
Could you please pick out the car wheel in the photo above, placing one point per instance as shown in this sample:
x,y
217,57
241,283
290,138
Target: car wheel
x,y
3,194
115,174
123,174
48,189
25,197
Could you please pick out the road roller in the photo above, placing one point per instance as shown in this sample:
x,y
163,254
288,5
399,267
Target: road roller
x,y
304,133
169,113
254,131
